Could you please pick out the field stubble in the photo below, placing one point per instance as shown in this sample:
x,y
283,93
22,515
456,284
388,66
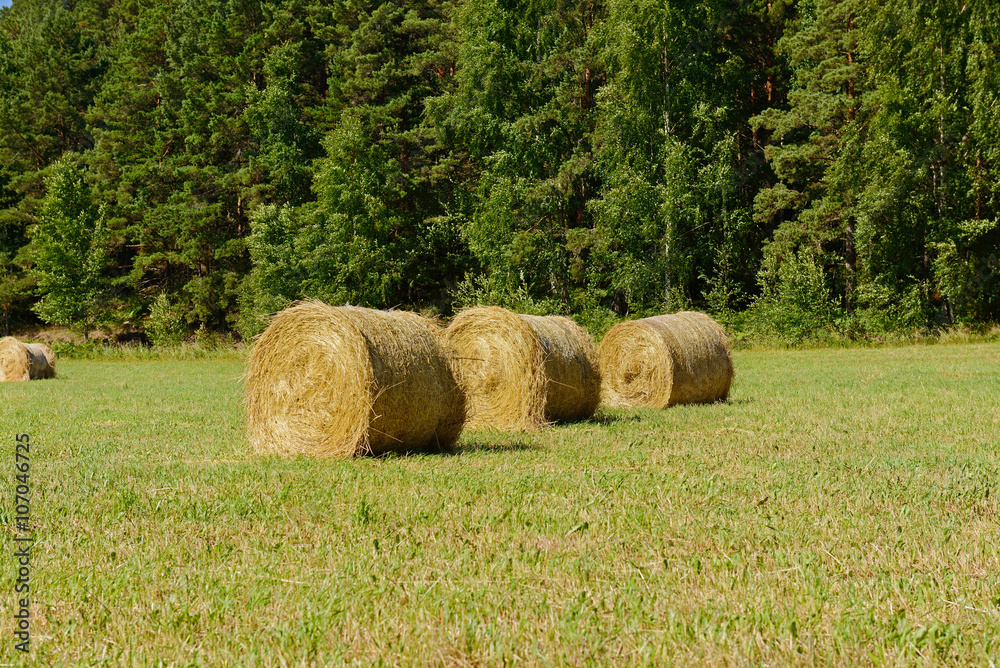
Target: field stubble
x,y
841,508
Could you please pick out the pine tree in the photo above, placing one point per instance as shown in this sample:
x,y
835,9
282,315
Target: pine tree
x,y
204,116
50,69
815,145
524,113
380,232
678,160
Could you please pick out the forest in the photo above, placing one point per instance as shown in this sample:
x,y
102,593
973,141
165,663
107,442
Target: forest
x,y
793,167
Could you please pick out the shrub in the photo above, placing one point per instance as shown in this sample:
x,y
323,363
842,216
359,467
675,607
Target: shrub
x,y
165,326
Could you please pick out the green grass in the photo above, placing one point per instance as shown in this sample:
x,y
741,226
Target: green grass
x,y
840,509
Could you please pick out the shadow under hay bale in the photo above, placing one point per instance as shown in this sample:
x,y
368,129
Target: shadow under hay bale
x,y
342,381
522,371
25,361
665,360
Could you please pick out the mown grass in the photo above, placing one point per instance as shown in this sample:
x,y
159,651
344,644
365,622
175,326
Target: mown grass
x,y
840,509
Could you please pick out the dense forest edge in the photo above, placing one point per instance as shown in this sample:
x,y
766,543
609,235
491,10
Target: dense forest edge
x,y
811,170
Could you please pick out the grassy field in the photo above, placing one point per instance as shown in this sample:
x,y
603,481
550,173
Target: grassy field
x,y
840,509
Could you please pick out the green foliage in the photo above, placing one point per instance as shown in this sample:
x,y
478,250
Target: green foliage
x,y
796,301
277,274
524,112
607,159
69,251
381,232
165,326
50,70
358,241
675,155
927,210
884,310
477,290
203,117
286,143
17,287
817,142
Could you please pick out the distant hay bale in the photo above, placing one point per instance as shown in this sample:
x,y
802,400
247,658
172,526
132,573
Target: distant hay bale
x,y
25,361
682,358
523,371
341,381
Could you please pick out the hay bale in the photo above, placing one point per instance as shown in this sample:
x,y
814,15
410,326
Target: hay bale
x,y
25,361
342,381
682,358
523,371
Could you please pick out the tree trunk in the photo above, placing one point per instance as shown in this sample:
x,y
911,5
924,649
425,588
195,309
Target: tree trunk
x,y
850,264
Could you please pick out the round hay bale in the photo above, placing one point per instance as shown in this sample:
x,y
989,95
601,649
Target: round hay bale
x,y
25,361
523,371
342,381
681,358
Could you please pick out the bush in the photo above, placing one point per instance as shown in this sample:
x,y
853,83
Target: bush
x,y
488,290
796,303
277,275
883,310
165,326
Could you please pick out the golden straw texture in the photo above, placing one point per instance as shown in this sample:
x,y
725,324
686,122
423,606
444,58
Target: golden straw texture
x,y
522,372
341,381
669,359
25,361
